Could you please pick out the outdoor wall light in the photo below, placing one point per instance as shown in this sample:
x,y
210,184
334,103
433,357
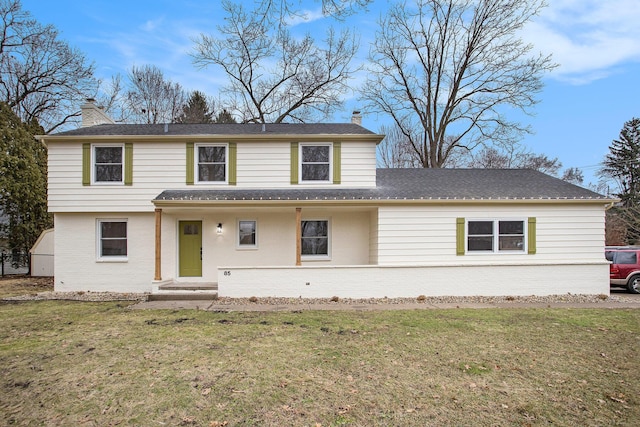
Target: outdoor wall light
x,y
219,228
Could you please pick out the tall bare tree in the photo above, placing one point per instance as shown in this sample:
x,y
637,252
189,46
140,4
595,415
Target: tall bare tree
x,y
281,11
41,76
446,71
275,77
151,98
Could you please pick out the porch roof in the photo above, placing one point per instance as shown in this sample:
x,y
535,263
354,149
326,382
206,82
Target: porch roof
x,y
411,185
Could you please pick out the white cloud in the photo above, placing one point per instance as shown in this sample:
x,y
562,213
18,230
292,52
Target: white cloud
x,y
590,39
305,17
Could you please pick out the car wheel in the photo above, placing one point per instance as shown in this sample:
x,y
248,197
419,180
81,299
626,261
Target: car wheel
x,y
634,285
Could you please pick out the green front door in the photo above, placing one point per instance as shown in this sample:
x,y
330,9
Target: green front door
x,y
190,249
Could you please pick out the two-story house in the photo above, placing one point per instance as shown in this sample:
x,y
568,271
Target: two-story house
x,y
301,210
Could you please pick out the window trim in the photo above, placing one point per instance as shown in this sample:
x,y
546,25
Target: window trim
x,y
320,257
301,145
110,258
94,180
241,246
496,236
196,163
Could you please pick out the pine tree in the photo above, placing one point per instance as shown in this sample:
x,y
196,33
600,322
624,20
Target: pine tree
x,y
197,110
224,117
623,163
23,181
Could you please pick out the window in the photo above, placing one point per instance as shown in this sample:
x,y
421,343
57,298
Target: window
x,y
211,163
247,234
315,238
495,236
112,239
626,258
315,162
108,164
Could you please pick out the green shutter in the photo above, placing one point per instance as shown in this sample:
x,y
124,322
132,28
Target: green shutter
x,y
190,163
460,236
128,163
531,236
337,162
86,164
294,162
233,160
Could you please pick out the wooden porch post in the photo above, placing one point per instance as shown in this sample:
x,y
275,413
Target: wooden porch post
x,y
158,273
298,235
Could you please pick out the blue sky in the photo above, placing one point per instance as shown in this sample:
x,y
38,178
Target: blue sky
x,y
583,107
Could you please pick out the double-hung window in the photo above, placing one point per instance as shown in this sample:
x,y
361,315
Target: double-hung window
x,y
315,238
211,161
495,236
112,239
247,234
315,162
108,164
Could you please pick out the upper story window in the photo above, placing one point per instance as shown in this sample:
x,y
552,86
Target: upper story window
x,y
108,164
495,236
211,161
315,162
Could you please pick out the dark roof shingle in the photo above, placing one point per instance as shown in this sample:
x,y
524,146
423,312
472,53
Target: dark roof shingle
x,y
219,129
415,184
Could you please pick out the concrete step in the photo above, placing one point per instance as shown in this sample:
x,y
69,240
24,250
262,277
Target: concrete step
x,y
175,286
183,296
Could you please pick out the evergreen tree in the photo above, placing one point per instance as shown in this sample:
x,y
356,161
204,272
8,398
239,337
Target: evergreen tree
x,y
623,163
196,110
23,181
224,117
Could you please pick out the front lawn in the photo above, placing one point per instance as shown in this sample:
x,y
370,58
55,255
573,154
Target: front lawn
x,y
102,364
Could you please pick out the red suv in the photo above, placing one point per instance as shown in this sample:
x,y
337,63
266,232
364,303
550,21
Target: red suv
x,y
624,270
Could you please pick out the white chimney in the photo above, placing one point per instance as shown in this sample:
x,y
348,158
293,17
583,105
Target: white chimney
x,y
93,115
356,118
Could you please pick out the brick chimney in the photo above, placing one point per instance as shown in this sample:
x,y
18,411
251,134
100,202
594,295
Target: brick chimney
x,y
356,118
94,115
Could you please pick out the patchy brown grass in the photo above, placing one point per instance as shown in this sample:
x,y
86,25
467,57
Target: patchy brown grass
x,y
79,363
11,286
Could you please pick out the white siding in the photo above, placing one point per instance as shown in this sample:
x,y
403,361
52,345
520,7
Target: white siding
x,y
158,166
427,235
407,281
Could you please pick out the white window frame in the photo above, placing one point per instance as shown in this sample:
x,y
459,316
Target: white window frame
x,y
110,258
94,180
241,246
315,144
496,236
320,257
196,163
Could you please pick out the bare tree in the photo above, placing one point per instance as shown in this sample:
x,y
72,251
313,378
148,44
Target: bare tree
x,y
447,70
275,77
514,156
151,98
41,76
283,10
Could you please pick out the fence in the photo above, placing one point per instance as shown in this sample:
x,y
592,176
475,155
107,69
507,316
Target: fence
x,y
14,263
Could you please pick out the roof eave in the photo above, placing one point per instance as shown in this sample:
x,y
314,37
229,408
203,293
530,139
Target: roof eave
x,y
374,201
256,137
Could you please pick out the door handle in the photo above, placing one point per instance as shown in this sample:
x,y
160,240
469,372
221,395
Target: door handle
x,y
200,254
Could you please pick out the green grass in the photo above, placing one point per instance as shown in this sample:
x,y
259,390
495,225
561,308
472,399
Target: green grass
x,y
73,363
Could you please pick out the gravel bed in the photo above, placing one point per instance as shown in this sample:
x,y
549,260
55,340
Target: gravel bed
x,y
112,296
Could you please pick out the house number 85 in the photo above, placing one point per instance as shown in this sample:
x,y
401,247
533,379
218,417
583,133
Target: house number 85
x,y
227,273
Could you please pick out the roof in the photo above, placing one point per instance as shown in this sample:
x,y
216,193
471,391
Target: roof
x,y
412,185
177,129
